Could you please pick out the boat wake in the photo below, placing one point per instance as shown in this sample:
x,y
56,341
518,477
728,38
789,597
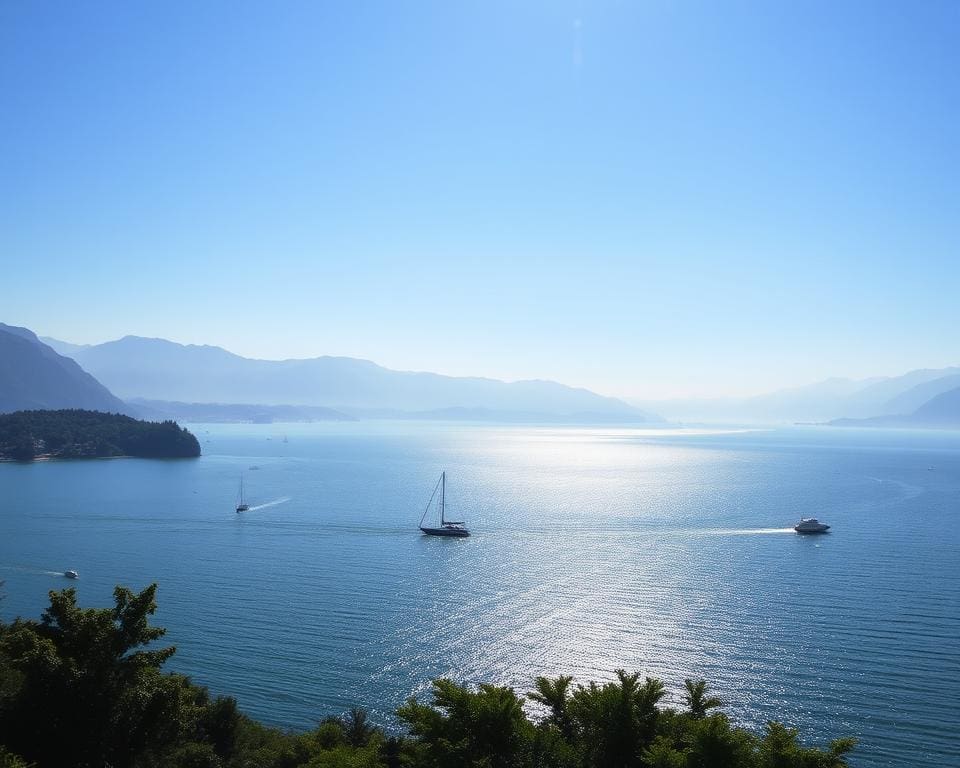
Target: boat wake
x,y
32,569
746,531
275,502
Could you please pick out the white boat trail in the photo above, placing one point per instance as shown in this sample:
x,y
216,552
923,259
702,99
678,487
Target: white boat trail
x,y
275,502
746,531
33,569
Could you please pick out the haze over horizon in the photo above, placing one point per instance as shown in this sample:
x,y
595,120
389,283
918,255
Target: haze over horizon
x,y
533,378
648,201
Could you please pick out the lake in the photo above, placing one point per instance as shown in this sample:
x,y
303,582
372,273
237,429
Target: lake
x,y
667,552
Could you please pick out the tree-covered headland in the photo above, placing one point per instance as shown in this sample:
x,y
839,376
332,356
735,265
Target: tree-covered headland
x,y
75,433
83,688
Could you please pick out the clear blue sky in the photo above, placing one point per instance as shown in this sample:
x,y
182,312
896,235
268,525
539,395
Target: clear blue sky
x,y
646,198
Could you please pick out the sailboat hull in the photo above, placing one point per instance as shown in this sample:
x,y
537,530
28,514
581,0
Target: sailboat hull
x,y
460,532
451,528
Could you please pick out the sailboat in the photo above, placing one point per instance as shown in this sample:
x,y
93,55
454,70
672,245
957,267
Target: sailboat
x,y
242,506
447,527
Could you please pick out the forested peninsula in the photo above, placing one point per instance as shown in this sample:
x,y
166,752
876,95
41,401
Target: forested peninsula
x,y
75,433
84,687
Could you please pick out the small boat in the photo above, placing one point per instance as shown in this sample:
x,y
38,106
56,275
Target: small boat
x,y
71,574
446,527
242,506
811,525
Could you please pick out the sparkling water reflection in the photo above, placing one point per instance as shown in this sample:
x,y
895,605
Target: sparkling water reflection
x,y
592,549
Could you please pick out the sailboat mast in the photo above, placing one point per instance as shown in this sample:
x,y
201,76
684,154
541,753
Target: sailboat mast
x,y
443,496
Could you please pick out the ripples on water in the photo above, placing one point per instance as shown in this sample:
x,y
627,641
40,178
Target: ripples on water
x,y
592,549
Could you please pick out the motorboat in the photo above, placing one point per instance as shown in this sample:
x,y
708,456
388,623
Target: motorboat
x,y
71,574
445,527
811,525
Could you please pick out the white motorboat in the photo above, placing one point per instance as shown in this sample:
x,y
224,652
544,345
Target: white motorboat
x,y
811,525
71,574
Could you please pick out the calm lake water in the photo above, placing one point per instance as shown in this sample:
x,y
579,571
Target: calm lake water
x,y
593,549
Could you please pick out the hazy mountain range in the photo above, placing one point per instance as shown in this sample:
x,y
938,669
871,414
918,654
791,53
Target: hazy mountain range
x,y
821,402
158,370
941,411
214,413
155,378
33,376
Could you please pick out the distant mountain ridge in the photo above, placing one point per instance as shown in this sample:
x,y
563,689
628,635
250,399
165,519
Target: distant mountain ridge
x,y
157,369
822,401
210,381
64,348
33,376
226,413
940,412
913,398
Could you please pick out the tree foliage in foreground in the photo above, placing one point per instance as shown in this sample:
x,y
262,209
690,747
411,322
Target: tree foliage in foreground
x,y
83,688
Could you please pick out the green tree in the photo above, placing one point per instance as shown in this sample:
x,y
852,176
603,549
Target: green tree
x,y
24,448
616,722
219,723
392,751
90,693
554,693
357,728
75,432
781,748
697,701
714,744
10,760
662,754
484,728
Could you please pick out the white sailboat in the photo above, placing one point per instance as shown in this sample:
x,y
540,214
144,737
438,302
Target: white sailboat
x,y
446,527
242,506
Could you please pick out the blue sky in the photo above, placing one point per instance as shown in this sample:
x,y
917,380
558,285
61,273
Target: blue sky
x,y
649,199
